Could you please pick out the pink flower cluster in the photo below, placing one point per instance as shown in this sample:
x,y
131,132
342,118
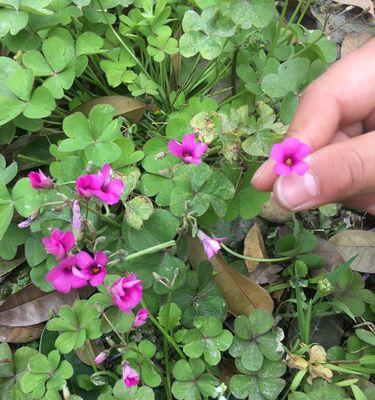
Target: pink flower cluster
x,y
100,185
75,270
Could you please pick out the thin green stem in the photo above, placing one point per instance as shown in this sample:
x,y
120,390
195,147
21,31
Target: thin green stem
x,y
89,354
300,312
150,250
266,260
308,322
307,47
291,19
166,350
165,333
278,29
123,44
104,218
304,11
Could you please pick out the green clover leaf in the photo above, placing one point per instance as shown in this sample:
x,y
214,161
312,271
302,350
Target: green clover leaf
x,y
95,135
209,338
75,324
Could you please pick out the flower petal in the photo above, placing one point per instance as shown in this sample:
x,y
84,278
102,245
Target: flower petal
x,y
277,152
291,145
100,258
282,169
175,148
303,151
300,168
84,260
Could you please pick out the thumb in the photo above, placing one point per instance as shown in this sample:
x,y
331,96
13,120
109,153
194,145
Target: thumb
x,y
336,172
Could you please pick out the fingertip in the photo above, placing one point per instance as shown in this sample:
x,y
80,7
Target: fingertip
x,y
264,177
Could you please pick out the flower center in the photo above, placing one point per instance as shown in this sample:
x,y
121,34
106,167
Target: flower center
x,y
289,161
187,154
95,270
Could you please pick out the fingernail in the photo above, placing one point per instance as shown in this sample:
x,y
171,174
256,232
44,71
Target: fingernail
x,y
296,192
259,172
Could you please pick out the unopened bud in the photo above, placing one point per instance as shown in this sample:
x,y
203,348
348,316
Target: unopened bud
x,y
325,287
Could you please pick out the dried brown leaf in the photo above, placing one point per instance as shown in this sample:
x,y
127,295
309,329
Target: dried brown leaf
x,y
241,294
354,42
364,4
329,253
7,266
31,306
254,247
20,334
357,243
128,107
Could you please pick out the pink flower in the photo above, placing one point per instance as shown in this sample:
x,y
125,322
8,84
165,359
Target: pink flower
x,y
289,156
189,150
101,185
140,318
110,189
39,180
101,357
92,269
129,375
59,243
87,184
127,292
63,277
211,245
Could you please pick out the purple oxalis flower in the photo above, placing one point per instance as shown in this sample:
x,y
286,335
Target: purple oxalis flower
x,y
211,245
189,150
92,269
289,156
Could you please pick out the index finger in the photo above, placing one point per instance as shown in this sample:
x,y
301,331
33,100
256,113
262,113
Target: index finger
x,y
343,95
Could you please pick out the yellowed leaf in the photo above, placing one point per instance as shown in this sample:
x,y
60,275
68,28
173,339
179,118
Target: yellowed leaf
x,y
128,107
357,243
296,362
364,4
241,294
254,247
317,354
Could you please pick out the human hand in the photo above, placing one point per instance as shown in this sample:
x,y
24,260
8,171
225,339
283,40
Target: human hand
x,y
336,117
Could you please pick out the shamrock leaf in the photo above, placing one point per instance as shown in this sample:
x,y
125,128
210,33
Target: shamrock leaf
x,y
290,75
137,210
205,33
209,338
6,209
139,357
12,238
57,63
46,376
191,383
161,45
254,341
252,12
17,95
141,84
116,67
264,384
7,174
121,392
321,390
15,16
199,296
174,319
95,135
13,369
75,324
128,154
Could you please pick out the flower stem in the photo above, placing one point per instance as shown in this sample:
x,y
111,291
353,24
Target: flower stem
x,y
166,350
150,250
89,355
104,217
266,260
165,333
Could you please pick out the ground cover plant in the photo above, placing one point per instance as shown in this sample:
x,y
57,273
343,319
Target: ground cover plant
x,y
129,230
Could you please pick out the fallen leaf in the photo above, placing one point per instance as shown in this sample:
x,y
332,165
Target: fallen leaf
x,y
354,42
128,107
254,247
266,275
358,243
20,334
241,294
296,362
271,212
30,306
364,4
329,253
8,266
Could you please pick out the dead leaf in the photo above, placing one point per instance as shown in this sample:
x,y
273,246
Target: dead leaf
x,y
241,294
296,362
317,369
20,334
358,243
128,107
30,306
95,349
364,4
329,253
266,274
271,212
354,42
7,266
254,247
